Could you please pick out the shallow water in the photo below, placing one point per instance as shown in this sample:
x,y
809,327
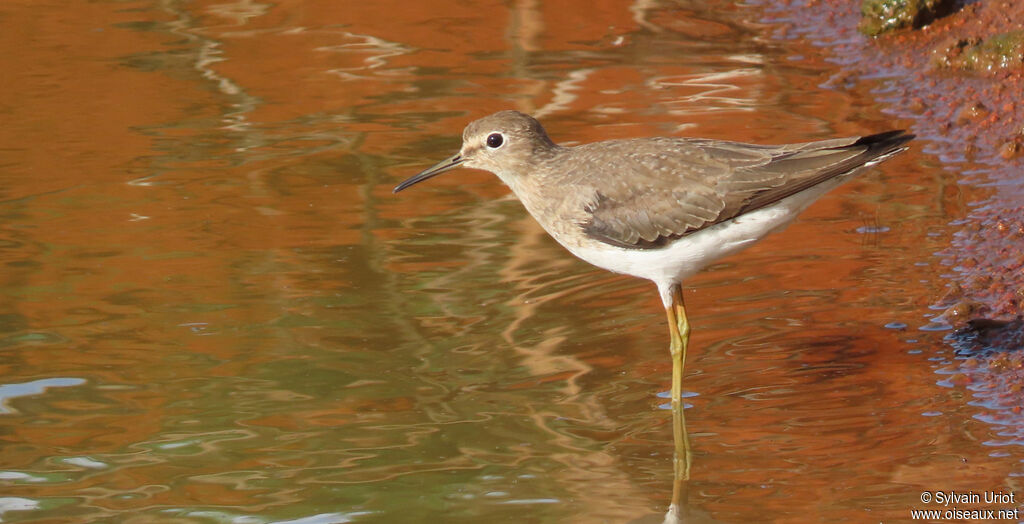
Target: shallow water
x,y
216,311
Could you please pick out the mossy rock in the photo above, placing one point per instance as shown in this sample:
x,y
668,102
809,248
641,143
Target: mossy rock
x,y
882,16
1000,51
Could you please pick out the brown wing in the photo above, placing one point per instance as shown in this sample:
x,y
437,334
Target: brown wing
x,y
674,187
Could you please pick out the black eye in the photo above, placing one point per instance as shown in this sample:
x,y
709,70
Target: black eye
x,y
494,140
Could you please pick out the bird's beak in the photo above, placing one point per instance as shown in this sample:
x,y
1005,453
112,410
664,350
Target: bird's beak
x,y
445,165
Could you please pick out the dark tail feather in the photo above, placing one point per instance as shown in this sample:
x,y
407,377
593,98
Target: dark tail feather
x,y
877,148
883,145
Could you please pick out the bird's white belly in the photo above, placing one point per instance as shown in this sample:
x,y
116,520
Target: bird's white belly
x,y
689,254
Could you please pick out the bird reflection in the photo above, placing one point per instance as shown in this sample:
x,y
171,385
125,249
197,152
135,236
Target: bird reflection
x,y
679,510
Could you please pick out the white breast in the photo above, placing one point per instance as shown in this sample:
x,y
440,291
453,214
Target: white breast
x,y
691,253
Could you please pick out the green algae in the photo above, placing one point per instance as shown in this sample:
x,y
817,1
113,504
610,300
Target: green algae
x,y
1000,51
882,16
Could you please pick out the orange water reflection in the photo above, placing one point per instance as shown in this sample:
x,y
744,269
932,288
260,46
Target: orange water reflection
x,y
200,243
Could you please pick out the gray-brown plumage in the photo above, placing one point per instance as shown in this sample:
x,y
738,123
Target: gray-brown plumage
x,y
659,208
667,188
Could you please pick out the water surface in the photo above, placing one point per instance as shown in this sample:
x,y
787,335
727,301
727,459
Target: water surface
x,y
216,311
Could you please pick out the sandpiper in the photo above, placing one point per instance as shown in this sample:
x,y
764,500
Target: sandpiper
x,y
660,208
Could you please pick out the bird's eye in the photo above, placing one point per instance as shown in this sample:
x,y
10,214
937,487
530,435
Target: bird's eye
x,y
494,140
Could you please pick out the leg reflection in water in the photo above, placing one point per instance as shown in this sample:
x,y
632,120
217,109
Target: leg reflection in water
x,y
681,461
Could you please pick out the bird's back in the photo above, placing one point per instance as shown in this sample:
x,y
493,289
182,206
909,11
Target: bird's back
x,y
644,193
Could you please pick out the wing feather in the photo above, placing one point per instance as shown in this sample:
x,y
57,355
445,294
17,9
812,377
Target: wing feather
x,y
670,188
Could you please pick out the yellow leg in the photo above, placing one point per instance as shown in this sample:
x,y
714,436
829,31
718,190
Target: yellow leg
x,y
679,330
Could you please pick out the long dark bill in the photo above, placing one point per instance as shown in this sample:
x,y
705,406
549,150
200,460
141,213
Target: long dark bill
x,y
445,165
